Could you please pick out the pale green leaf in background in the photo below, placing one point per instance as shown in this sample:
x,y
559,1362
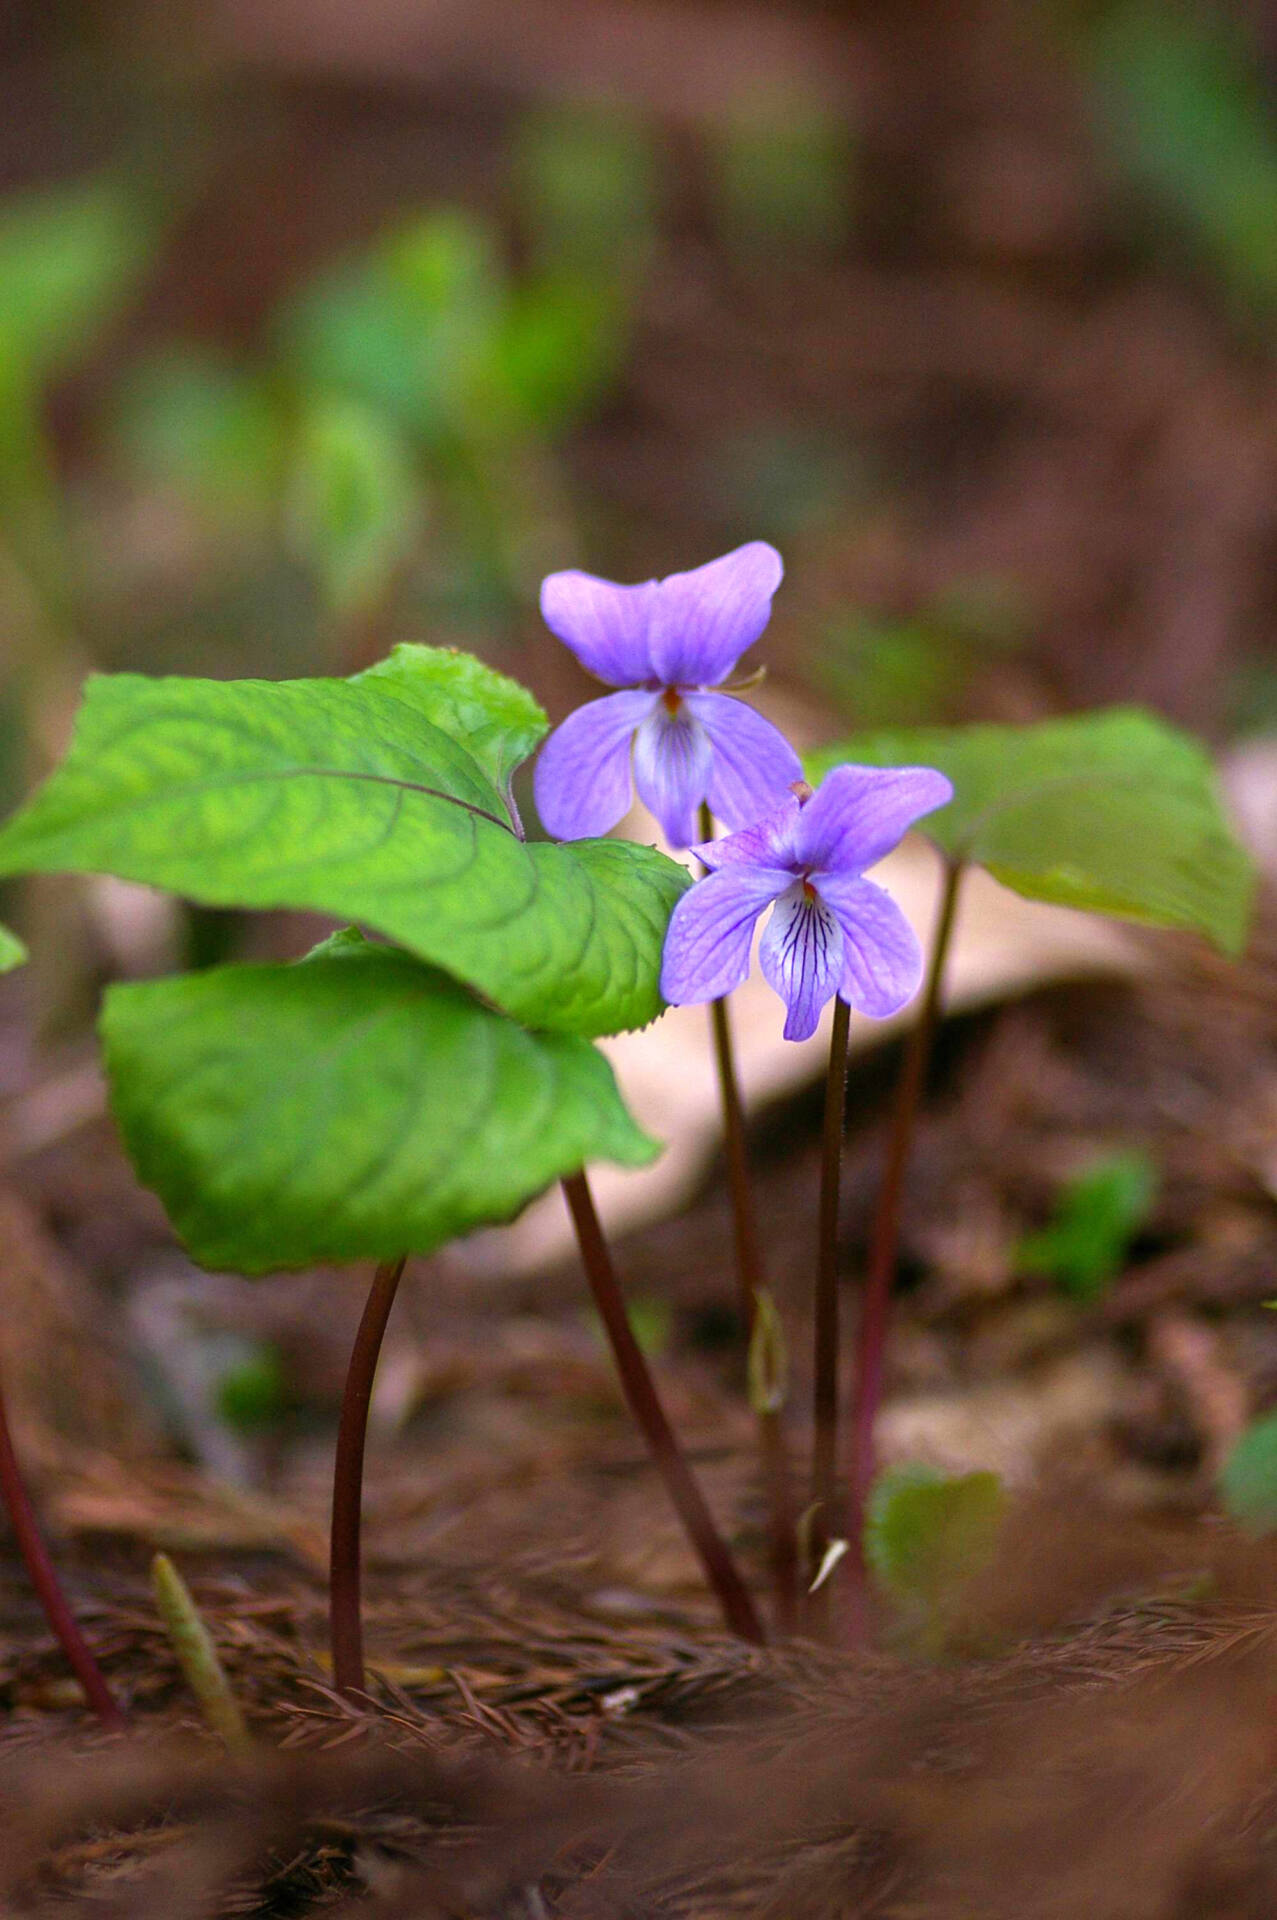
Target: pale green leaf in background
x,y
12,952
341,796
352,1105
1116,812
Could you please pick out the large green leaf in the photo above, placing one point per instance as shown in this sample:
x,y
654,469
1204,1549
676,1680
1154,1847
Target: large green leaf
x,y
1116,812
493,717
354,1104
12,951
344,797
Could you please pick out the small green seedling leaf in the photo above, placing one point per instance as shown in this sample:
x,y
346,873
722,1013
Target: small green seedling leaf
x,y
352,1105
12,952
768,1361
1248,1478
927,1534
344,796
1097,1215
1115,812
198,1658
354,502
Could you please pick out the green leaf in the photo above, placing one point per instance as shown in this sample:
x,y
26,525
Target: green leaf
x,y
493,717
349,1106
343,797
69,256
928,1533
12,952
1248,1478
1097,1215
1115,812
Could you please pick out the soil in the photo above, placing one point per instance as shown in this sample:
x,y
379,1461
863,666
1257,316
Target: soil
x,y
555,1723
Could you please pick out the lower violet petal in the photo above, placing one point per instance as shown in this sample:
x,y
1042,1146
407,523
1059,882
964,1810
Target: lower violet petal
x,y
754,765
582,779
707,945
672,758
882,958
801,954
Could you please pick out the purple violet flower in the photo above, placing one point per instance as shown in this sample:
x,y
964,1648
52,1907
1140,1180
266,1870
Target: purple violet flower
x,y
667,644
831,930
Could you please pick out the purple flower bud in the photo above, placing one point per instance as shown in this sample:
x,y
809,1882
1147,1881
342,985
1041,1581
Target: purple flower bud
x,y
831,930
668,644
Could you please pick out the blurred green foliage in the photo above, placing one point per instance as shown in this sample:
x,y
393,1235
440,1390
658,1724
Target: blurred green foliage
x,y
587,190
1182,105
783,167
1248,1478
254,1393
1097,1215
927,1536
907,672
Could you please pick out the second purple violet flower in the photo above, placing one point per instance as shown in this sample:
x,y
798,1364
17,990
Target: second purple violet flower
x,y
831,930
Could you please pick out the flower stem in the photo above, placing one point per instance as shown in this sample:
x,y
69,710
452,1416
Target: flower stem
x,y
824,1465
346,1638
43,1576
644,1403
750,1282
884,1239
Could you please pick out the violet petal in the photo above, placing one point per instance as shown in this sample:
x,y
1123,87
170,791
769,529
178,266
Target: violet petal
x,y
672,759
858,814
768,843
707,945
754,765
606,626
703,621
882,958
801,955
582,779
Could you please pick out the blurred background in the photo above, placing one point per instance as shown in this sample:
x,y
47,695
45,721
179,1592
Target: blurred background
x,y
323,327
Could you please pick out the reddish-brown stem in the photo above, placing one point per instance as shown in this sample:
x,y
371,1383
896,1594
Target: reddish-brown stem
x,y
750,1281
782,1521
44,1578
345,1624
824,1462
639,1389
884,1239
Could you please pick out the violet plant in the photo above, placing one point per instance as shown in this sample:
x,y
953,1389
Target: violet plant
x,y
431,1068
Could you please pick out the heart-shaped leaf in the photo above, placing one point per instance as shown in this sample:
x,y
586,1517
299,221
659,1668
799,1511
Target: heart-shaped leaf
x,y
12,952
350,1105
345,797
1115,812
